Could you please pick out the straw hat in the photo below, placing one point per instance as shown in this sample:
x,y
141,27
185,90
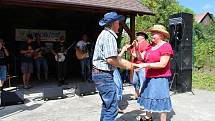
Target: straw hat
x,y
161,29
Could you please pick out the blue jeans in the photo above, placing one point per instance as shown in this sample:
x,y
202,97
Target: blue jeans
x,y
3,72
41,62
139,78
85,69
107,90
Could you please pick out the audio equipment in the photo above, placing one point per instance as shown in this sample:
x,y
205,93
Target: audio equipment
x,y
51,93
180,29
85,88
11,98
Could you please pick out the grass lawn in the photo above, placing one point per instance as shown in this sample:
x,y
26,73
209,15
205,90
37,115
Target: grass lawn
x,y
203,80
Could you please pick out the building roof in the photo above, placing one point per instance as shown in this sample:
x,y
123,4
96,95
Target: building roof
x,y
201,16
127,6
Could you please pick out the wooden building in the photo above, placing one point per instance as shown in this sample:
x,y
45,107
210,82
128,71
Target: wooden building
x,y
204,18
73,17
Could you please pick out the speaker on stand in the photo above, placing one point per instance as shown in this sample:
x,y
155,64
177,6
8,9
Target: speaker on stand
x,y
180,27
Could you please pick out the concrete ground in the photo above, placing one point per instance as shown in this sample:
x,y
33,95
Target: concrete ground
x,y
186,107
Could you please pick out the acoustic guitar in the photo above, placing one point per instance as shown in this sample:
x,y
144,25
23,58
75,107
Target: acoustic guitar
x,y
38,52
80,54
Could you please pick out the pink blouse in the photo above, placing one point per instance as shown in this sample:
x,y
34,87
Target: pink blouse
x,y
152,56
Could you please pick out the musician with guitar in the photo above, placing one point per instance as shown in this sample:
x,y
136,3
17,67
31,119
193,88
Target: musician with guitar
x,y
27,52
39,57
83,54
59,52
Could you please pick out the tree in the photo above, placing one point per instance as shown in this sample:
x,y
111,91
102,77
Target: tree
x,y
204,45
162,10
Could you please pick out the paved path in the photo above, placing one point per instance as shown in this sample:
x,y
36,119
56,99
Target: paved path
x,y
187,107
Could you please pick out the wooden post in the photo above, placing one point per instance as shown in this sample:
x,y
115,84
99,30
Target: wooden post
x,y
132,37
126,28
132,26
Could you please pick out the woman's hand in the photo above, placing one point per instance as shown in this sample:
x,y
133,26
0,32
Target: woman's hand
x,y
137,65
141,65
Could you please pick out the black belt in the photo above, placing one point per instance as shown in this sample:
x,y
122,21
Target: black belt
x,y
95,70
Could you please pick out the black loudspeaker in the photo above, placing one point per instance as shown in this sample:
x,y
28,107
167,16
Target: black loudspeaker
x,y
85,88
52,93
181,67
180,28
184,81
183,59
11,98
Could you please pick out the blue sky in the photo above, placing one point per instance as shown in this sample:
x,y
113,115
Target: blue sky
x,y
199,6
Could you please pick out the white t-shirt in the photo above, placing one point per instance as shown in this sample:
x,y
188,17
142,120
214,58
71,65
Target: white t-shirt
x,y
83,46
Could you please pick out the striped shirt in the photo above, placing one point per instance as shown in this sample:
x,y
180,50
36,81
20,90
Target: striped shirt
x,y
106,46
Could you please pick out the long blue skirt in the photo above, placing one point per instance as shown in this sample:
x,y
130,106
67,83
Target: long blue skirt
x,y
155,96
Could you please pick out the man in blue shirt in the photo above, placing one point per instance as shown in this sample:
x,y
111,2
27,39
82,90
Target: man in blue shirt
x,y
105,61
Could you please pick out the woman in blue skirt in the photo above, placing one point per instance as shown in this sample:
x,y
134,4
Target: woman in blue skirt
x,y
154,94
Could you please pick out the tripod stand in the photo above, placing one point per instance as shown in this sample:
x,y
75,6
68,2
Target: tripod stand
x,y
173,81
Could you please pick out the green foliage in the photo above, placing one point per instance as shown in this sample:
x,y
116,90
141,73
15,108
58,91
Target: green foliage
x,y
125,40
204,45
202,80
162,10
200,54
198,31
204,55
209,31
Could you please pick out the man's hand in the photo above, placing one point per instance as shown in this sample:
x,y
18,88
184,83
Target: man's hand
x,y
120,62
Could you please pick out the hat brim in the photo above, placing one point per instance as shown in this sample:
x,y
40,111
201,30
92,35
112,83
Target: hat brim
x,y
142,33
103,22
165,33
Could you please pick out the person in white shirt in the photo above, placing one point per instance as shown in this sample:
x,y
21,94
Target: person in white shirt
x,y
84,47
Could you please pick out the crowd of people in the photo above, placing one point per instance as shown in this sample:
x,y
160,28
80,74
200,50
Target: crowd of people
x,y
150,64
33,55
